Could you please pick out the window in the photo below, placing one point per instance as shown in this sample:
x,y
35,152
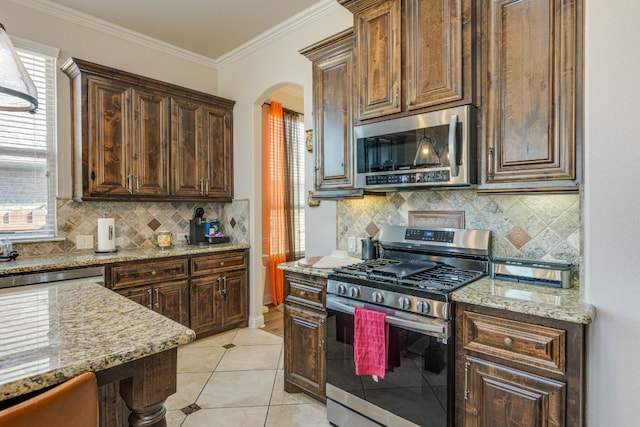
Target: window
x,y
28,153
295,140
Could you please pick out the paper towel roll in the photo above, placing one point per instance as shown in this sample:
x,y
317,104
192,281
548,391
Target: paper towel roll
x,y
106,235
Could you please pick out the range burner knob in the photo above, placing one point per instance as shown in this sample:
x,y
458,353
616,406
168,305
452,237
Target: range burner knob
x,y
354,292
377,297
342,289
423,307
404,303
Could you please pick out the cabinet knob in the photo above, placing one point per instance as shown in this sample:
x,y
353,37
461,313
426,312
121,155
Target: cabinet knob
x,y
153,273
508,341
221,262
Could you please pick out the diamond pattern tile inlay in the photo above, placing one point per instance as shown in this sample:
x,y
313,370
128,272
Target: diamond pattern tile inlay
x,y
233,223
154,224
372,229
190,409
518,237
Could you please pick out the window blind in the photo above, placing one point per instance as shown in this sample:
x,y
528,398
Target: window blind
x,y
28,154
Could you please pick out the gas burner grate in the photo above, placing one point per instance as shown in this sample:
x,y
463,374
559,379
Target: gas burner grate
x,y
442,277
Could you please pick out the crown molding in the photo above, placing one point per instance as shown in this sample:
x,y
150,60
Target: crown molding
x,y
302,19
91,22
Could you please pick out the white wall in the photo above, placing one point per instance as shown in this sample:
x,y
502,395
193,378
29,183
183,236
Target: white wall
x,y
78,41
612,210
249,81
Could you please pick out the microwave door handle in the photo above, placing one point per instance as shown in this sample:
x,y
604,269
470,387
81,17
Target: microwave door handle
x,y
453,155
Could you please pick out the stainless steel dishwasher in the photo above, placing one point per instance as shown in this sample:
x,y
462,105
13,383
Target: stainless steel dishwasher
x,y
83,274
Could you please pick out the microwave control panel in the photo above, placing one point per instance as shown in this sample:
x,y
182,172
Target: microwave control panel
x,y
408,178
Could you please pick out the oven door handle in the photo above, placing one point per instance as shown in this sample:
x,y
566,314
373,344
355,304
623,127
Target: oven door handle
x,y
425,327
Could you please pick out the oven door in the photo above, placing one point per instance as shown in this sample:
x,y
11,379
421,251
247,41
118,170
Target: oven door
x,y
418,386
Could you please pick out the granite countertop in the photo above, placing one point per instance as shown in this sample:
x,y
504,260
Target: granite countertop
x,y
89,258
553,303
295,267
50,333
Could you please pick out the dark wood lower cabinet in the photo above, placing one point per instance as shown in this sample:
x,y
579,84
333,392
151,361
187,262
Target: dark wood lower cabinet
x,y
305,356
305,333
517,370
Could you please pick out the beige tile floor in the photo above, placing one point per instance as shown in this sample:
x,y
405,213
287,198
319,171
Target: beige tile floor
x,y
236,379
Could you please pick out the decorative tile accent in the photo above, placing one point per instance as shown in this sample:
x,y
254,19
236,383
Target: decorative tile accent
x,y
154,224
233,223
518,237
372,229
190,409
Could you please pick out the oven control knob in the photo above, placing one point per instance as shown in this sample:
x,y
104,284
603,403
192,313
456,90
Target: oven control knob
x,y
342,290
354,292
423,307
377,297
404,303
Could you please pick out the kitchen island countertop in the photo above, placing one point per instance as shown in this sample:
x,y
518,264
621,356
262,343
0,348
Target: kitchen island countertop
x,y
61,261
51,333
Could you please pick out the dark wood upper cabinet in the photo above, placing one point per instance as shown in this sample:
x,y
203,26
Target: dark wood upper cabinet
x,y
413,55
533,74
137,138
333,105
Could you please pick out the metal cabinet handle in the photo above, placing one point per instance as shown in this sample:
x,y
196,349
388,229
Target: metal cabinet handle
x,y
157,298
129,184
137,183
321,343
224,290
150,299
453,146
206,186
508,341
201,187
467,365
218,285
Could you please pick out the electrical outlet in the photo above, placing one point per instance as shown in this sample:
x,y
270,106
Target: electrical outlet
x,y
84,241
351,244
181,238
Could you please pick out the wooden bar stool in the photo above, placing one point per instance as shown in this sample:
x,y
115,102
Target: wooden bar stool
x,y
73,403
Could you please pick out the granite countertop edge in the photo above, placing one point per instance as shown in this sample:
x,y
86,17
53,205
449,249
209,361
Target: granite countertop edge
x,y
60,261
81,314
552,303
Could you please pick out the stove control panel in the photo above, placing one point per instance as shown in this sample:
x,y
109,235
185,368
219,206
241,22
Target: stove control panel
x,y
422,235
391,300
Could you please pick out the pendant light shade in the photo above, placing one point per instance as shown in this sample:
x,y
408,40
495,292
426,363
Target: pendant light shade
x,y
17,91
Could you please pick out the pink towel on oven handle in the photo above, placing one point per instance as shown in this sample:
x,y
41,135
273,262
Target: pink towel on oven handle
x,y
370,342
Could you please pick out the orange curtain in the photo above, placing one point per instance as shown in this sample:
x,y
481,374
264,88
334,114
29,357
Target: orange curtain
x,y
277,202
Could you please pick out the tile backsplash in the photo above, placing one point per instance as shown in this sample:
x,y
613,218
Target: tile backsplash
x,y
137,222
543,227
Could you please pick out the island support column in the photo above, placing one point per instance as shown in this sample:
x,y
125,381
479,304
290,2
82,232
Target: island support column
x,y
154,379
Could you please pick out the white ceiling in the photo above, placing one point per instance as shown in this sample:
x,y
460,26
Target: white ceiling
x,y
209,28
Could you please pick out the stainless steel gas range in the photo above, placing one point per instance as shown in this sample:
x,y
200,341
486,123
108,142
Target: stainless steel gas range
x,y
411,283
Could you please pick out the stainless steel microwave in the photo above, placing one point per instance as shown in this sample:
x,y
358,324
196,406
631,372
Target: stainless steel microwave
x,y
435,149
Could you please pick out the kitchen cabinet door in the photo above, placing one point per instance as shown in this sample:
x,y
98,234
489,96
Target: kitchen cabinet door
x,y
171,299
499,396
305,354
109,139
533,100
234,296
378,59
333,106
143,295
150,147
438,52
206,304
218,169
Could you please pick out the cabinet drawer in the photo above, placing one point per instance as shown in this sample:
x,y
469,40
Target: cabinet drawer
x,y
306,294
132,274
202,265
533,345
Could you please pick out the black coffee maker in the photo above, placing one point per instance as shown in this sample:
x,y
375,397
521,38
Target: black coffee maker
x,y
196,227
